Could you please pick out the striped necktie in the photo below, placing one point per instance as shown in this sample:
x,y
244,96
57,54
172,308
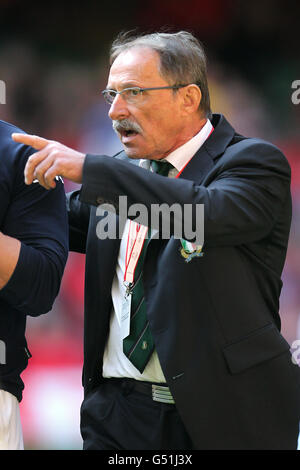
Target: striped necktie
x,y
138,346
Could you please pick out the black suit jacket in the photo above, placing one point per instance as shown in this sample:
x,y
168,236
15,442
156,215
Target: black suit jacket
x,y
214,320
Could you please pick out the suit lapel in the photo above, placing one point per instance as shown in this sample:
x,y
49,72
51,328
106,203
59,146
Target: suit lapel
x,y
204,159
198,167
107,250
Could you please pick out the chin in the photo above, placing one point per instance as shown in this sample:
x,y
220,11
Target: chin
x,y
133,153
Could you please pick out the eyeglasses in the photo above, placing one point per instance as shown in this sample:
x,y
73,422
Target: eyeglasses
x,y
133,94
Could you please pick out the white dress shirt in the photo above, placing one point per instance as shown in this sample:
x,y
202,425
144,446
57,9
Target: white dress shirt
x,y
115,363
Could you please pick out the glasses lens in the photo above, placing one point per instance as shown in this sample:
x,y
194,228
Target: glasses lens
x,y
109,95
131,95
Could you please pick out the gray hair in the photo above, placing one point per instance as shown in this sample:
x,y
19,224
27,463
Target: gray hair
x,y
182,58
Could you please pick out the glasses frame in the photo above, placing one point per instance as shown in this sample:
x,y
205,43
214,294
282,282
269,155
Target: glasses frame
x,y
140,90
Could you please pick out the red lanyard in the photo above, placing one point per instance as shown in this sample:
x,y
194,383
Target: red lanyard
x,y
135,241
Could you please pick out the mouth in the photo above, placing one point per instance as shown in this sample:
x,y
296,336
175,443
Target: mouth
x,y
126,130
127,135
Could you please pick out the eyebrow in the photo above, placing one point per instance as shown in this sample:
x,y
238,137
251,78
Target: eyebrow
x,y
124,86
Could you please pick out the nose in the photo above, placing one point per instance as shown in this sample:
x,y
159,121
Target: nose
x,y
118,109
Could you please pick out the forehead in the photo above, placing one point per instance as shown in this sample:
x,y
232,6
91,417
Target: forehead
x,y
136,66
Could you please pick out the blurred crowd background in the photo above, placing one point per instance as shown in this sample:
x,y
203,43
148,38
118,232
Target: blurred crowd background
x,y
54,62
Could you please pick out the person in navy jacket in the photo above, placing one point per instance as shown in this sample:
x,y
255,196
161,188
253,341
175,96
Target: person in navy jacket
x,y
33,254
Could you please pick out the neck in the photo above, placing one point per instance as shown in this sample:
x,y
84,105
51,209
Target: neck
x,y
197,127
191,130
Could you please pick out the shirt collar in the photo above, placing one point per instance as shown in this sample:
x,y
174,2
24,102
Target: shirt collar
x,y
182,155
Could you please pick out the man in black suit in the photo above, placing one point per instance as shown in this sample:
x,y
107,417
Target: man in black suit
x,y
182,343
33,253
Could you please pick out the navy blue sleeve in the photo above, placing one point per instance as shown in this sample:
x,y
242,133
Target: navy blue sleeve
x,y
38,218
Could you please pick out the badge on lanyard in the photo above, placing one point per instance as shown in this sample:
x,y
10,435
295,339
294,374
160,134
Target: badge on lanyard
x,y
125,314
136,237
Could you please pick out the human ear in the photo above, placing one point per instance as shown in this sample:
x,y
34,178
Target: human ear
x,y
191,99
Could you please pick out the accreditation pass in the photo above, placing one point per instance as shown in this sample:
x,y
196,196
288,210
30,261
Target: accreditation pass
x,y
135,241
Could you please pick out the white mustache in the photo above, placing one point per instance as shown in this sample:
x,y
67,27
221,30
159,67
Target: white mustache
x,y
126,125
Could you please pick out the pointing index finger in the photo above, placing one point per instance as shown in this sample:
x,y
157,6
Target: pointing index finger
x,y
34,141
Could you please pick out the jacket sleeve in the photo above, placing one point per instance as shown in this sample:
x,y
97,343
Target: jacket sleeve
x,y
38,218
242,195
